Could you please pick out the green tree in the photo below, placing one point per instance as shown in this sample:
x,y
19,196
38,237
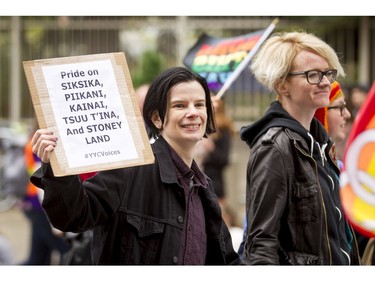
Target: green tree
x,y
151,64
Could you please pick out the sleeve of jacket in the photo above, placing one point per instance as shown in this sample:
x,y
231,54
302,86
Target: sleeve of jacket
x,y
72,205
266,198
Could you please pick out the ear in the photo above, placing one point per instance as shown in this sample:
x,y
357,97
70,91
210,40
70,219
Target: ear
x,y
156,120
281,88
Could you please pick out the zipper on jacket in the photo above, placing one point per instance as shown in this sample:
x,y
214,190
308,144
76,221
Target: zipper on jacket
x,y
346,254
321,198
340,217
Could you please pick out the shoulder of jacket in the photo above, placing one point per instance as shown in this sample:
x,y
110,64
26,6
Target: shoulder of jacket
x,y
270,135
281,136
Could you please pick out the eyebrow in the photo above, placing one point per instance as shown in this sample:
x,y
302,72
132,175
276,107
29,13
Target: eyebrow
x,y
185,100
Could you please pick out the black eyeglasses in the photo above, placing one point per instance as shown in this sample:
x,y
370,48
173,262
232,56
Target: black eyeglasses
x,y
315,76
342,108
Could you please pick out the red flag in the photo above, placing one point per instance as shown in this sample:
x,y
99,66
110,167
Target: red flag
x,y
358,176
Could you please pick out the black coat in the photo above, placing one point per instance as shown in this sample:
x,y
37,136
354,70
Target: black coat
x,y
137,213
294,213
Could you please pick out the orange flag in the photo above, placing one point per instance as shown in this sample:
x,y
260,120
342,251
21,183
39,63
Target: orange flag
x,y
358,176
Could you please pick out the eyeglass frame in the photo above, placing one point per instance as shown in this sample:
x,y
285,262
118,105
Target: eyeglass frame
x,y
322,73
342,108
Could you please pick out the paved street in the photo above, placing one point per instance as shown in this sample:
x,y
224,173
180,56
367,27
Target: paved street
x,y
16,229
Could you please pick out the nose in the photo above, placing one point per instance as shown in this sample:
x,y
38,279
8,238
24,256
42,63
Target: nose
x,y
325,80
192,112
347,113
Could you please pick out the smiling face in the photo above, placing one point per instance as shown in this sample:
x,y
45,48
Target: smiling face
x,y
336,122
186,116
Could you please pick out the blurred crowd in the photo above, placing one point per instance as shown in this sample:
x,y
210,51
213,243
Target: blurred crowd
x,y
18,163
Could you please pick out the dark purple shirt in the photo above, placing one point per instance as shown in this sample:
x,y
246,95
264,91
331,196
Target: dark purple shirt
x,y
194,239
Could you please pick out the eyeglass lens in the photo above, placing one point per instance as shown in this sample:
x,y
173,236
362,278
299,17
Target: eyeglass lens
x,y
341,107
315,76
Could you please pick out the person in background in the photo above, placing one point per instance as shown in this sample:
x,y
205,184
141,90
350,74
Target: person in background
x,y
213,157
334,118
162,213
218,154
44,238
357,96
141,93
293,207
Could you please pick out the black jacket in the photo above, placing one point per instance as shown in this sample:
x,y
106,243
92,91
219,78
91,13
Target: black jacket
x,y
294,212
137,213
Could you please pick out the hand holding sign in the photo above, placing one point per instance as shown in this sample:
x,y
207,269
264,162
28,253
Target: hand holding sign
x,y
43,143
89,104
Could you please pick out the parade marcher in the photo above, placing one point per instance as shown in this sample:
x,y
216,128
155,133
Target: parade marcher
x,y
293,207
162,213
357,96
334,118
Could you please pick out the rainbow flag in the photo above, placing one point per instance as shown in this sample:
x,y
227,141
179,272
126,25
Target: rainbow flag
x,y
217,59
358,177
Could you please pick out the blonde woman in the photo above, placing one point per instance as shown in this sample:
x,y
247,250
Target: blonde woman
x,y
293,209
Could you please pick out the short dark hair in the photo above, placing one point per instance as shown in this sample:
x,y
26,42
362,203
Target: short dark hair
x,y
156,99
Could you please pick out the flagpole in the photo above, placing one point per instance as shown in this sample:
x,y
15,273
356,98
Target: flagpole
x,y
246,61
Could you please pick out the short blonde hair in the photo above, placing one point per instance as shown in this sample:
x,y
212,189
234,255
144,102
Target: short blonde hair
x,y
274,60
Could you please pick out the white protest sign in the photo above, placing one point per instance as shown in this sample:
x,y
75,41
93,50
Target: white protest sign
x,y
89,102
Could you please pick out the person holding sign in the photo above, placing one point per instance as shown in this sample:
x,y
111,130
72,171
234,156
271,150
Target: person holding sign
x,y
162,213
293,207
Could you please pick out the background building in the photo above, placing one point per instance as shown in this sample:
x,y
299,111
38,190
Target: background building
x,y
153,43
